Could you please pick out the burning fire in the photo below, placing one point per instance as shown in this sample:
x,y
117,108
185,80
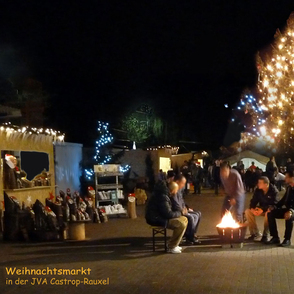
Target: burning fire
x,y
228,221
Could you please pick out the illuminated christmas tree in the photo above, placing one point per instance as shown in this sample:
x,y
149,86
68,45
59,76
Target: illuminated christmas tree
x,y
249,114
244,128
102,153
276,87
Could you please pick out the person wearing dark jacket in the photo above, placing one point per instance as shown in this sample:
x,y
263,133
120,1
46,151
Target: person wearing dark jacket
x,y
178,204
216,176
197,177
284,210
289,165
265,197
270,169
159,213
248,180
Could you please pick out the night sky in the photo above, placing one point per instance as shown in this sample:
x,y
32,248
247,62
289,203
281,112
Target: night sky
x,y
97,59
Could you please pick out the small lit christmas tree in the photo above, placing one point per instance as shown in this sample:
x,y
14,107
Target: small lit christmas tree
x,y
102,152
103,155
276,87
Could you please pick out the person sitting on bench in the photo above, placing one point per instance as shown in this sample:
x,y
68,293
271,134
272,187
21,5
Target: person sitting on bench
x,y
284,210
159,213
264,197
178,204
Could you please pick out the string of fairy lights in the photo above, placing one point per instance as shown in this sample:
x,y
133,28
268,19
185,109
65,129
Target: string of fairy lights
x,y
105,138
89,173
26,130
173,149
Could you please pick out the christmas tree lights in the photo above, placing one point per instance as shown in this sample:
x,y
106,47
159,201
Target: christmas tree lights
x,y
102,156
105,138
124,169
89,174
276,87
249,115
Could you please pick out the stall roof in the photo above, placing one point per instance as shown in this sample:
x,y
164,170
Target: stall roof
x,y
248,154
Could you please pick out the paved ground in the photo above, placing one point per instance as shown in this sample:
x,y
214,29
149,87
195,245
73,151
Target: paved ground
x,y
121,250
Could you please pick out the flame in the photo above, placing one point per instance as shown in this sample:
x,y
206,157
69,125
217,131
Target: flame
x,y
228,221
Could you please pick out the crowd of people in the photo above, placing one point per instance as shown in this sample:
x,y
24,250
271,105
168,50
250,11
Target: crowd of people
x,y
251,175
265,202
167,208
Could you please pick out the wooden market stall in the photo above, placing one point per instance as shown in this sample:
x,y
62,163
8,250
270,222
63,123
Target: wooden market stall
x,y
32,150
157,157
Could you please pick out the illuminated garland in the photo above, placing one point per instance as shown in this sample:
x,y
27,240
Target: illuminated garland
x,y
174,150
124,169
89,173
9,128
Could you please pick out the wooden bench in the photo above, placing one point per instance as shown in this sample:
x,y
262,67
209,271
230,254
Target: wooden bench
x,y
159,231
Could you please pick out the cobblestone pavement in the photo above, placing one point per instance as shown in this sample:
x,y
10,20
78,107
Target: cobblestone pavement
x,y
121,250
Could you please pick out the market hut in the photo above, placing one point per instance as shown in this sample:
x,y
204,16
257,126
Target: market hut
x,y
154,158
27,162
247,157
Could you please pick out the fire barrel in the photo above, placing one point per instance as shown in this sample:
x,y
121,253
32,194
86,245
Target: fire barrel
x,y
232,235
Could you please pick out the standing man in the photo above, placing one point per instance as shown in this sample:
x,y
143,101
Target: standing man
x,y
270,169
252,166
178,204
265,197
280,179
210,175
197,177
284,210
289,165
234,189
216,176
